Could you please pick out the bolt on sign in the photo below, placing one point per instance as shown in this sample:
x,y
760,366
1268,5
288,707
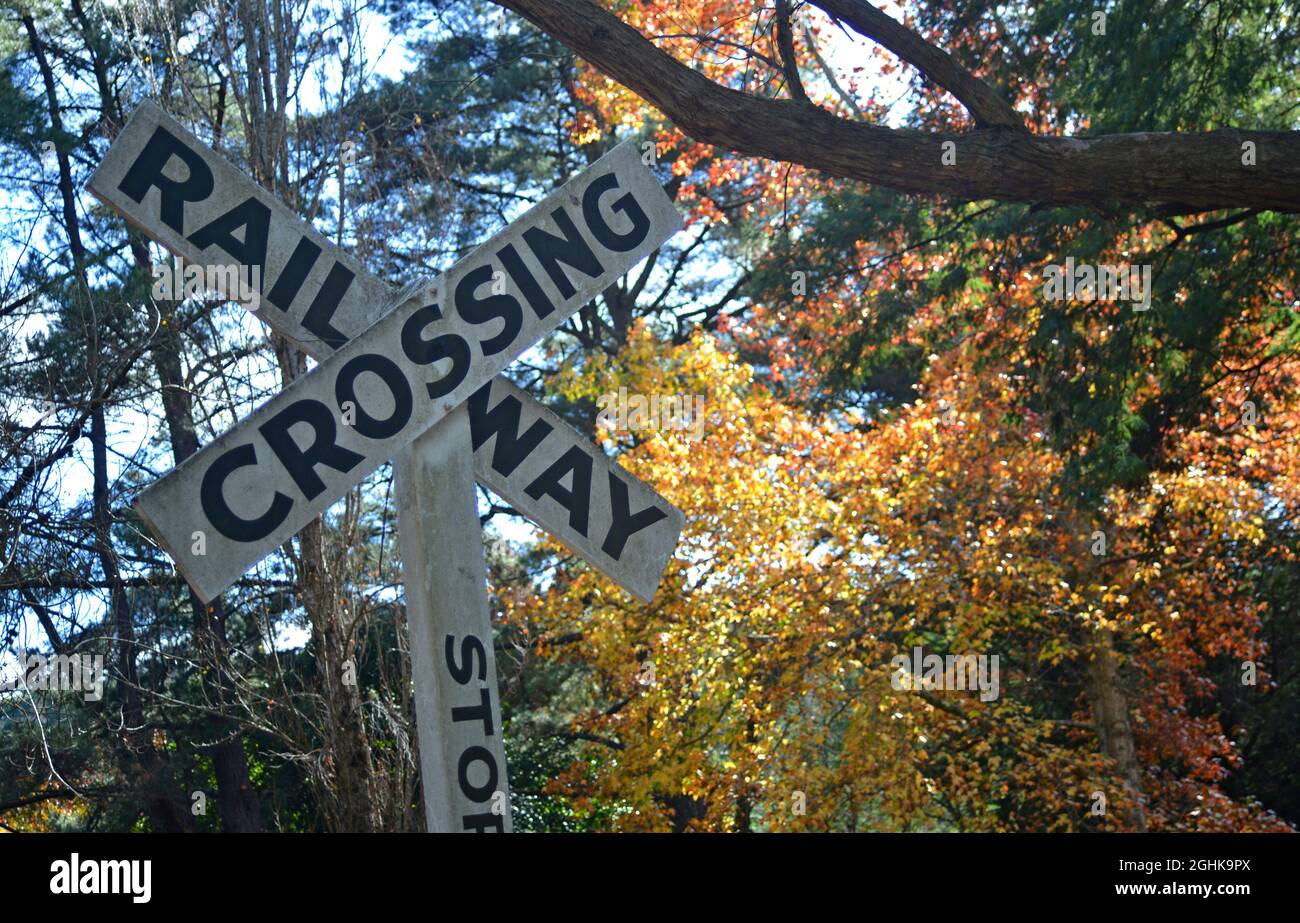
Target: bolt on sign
x,y
411,376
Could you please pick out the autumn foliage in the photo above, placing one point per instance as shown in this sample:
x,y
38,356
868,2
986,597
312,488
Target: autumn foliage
x,y
909,442
824,538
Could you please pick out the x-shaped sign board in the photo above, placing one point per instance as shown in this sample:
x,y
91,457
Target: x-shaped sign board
x,y
414,379
181,192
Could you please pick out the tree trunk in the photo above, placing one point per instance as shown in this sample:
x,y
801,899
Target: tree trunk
x,y
349,761
236,799
349,771
1110,713
166,811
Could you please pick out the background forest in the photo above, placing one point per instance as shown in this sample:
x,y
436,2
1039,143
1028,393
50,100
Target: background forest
x,y
904,443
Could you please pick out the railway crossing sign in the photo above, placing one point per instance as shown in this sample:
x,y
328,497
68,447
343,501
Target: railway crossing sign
x,y
413,376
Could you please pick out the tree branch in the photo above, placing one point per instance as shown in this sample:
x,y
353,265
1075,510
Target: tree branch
x,y
46,617
811,41
986,107
785,45
1202,171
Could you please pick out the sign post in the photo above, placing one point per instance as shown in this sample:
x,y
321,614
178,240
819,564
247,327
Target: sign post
x,y
457,708
419,384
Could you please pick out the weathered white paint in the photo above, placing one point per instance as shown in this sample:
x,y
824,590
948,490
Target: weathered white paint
x,y
614,199
615,521
457,707
364,300
327,299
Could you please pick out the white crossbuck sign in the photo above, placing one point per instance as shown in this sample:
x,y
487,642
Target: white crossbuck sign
x,y
413,377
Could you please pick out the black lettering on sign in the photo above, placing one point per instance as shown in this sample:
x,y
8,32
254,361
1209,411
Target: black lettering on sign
x,y
478,310
576,500
552,249
627,205
324,450
391,373
147,172
326,302
538,300
480,712
426,352
502,421
219,513
470,647
255,219
481,822
293,274
472,755
625,523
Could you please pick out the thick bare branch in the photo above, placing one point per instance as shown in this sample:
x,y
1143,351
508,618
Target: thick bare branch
x,y
1199,171
811,41
983,102
785,45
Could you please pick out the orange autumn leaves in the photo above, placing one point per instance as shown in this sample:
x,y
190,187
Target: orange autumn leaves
x,y
755,691
712,37
818,548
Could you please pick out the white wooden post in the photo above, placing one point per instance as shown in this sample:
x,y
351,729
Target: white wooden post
x,y
457,707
